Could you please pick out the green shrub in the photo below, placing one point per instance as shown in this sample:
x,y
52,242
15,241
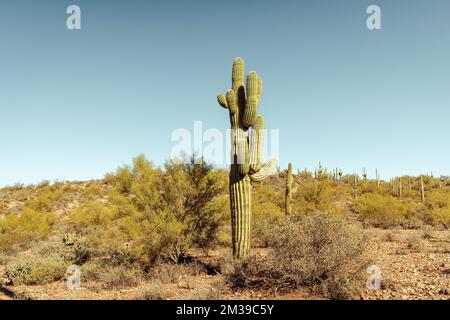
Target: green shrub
x,y
15,187
43,184
92,191
35,270
438,203
46,199
152,214
384,211
319,196
17,231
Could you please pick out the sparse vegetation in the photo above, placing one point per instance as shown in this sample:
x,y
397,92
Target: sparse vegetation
x,y
155,228
319,251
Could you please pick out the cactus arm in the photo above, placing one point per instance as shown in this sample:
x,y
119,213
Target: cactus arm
x,y
231,102
242,151
237,74
251,108
260,88
256,143
268,169
222,101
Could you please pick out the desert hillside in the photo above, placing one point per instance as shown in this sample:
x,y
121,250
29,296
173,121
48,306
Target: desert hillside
x,y
145,232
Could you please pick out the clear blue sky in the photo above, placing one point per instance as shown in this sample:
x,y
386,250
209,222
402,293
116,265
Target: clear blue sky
x,y
76,104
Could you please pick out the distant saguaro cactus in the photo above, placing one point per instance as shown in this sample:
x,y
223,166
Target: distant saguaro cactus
x,y
364,174
377,176
246,166
422,189
291,188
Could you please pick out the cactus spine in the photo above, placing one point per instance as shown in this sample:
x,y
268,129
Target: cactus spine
x,y
246,167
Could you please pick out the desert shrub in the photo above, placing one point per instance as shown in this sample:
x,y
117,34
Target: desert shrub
x,y
388,236
267,201
155,291
113,277
319,196
438,204
92,214
46,199
46,261
414,242
154,214
18,231
92,191
15,187
262,230
171,273
384,211
320,251
196,194
441,216
91,270
411,194
122,179
427,232
167,273
438,199
214,292
35,270
76,251
43,184
267,206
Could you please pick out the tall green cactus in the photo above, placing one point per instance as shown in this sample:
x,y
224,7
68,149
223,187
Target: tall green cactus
x,y
364,174
247,133
377,177
291,188
422,189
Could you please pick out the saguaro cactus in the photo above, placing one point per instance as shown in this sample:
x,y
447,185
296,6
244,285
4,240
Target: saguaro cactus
x,y
422,189
377,177
291,188
246,167
340,174
364,174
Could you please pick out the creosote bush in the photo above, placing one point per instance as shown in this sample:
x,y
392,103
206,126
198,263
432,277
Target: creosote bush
x,y
319,250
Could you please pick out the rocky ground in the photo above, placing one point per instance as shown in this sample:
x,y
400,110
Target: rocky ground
x,y
414,266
